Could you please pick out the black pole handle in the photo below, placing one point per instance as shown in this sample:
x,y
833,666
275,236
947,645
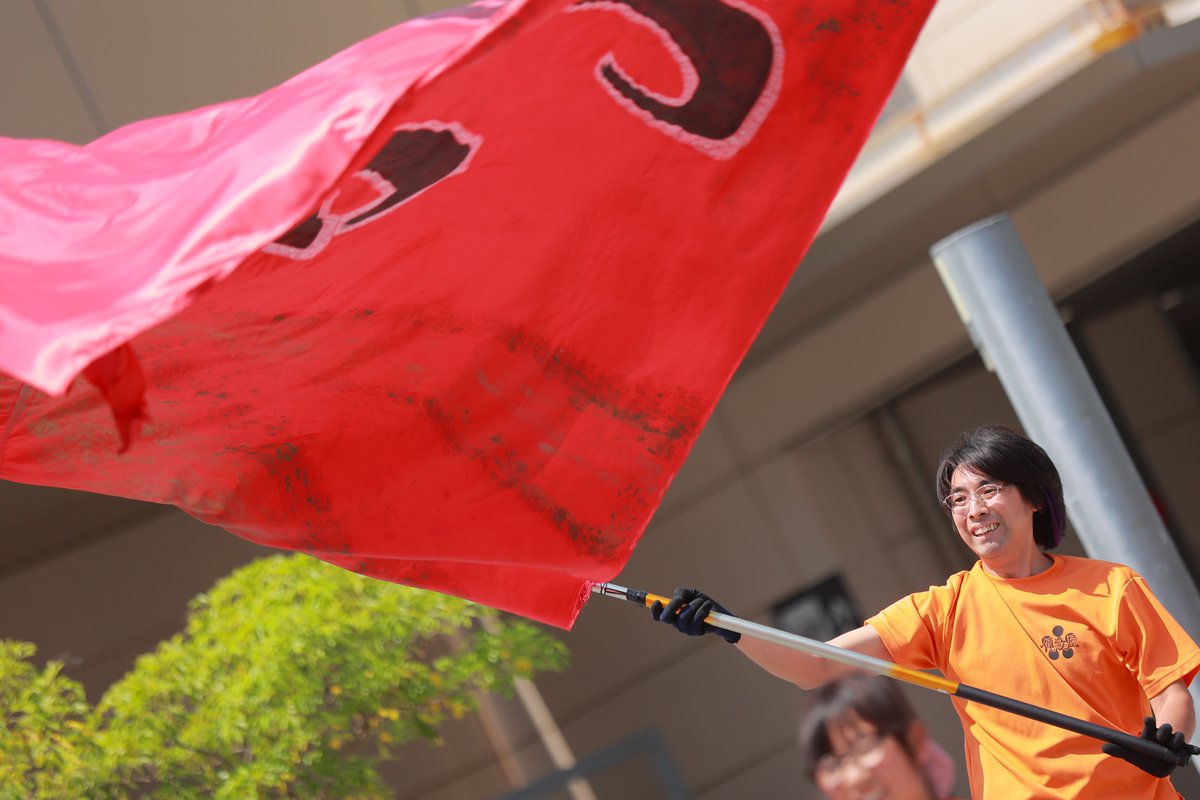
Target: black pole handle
x,y
1104,734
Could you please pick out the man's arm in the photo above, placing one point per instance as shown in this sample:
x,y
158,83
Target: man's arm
x,y
1174,705
688,609
807,671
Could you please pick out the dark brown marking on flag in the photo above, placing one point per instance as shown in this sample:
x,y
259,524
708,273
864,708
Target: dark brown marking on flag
x,y
669,419
286,452
662,422
731,51
298,517
303,234
413,160
410,161
505,467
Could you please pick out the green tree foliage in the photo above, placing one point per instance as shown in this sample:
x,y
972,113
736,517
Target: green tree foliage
x,y
47,741
291,679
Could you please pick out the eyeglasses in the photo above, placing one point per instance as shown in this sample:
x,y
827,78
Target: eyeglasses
x,y
986,494
865,752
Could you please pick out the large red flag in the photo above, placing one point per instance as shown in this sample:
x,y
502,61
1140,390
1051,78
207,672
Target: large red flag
x,y
450,308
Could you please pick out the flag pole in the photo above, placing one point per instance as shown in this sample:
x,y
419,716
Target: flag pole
x,y
926,680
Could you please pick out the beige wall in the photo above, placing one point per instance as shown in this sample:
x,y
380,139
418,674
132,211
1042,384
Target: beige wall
x,y
90,67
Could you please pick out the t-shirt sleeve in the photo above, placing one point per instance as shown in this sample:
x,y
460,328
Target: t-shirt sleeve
x,y
1153,645
912,627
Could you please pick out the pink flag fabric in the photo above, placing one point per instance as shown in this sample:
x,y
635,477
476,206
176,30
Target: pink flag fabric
x,y
100,243
450,308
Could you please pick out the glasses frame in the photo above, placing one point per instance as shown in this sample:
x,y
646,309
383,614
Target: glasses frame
x,y
975,495
831,768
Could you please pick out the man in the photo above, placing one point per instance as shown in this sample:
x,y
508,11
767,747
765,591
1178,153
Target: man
x,y
1083,637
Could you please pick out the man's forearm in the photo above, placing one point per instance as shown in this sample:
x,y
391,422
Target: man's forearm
x,y
804,670
1174,705
808,671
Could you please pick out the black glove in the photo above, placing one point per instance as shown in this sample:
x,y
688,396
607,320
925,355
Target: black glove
x,y
1172,740
687,611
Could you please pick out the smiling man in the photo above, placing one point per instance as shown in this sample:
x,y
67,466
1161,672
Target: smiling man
x,y
1083,637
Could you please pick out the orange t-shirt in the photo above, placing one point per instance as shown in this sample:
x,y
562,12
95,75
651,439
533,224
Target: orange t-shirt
x,y
1085,638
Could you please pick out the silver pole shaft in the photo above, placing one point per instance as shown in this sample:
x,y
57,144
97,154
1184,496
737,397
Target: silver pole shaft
x,y
1014,324
795,642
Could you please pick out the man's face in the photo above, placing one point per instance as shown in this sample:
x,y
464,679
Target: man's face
x,y
1000,530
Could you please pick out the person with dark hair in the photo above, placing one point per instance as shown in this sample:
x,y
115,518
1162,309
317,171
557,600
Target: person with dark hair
x,y
1083,637
860,738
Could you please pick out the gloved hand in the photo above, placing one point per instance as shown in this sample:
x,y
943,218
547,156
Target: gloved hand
x,y
687,610
1163,735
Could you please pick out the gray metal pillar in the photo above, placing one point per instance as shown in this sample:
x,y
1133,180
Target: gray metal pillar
x,y
1016,328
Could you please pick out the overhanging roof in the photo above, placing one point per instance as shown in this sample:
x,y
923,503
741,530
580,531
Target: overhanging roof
x,y
1098,105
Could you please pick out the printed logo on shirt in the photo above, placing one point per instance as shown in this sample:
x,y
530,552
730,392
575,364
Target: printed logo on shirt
x,y
1060,645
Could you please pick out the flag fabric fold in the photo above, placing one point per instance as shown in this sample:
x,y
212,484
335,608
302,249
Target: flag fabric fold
x,y
450,308
101,242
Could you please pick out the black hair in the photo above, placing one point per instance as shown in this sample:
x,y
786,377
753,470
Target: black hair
x,y
875,700
1007,456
